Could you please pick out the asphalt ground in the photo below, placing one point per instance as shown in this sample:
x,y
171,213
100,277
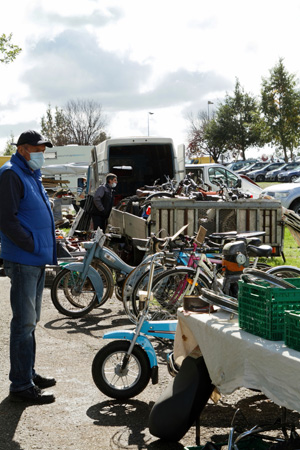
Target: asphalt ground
x,y
82,418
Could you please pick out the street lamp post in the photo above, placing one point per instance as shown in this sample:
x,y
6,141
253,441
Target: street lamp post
x,y
209,103
149,113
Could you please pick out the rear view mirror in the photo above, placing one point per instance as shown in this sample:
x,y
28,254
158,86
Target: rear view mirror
x,y
239,183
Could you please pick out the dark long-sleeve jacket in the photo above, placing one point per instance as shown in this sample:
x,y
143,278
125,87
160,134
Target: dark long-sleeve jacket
x,y
103,201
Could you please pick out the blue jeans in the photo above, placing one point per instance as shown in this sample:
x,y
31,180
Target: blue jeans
x,y
27,284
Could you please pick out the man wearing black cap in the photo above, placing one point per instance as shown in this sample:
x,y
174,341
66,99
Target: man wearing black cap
x,y
27,234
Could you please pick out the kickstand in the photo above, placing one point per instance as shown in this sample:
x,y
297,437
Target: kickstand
x,y
197,425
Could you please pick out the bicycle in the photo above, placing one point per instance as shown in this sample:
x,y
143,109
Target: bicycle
x,y
170,287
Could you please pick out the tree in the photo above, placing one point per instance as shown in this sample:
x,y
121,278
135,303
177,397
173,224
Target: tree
x,y
9,148
8,51
85,121
200,142
80,122
238,125
280,103
55,127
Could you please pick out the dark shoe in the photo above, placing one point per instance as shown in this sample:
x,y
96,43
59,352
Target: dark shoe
x,y
43,382
33,395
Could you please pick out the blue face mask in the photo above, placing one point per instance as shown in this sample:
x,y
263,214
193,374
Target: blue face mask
x,y
36,160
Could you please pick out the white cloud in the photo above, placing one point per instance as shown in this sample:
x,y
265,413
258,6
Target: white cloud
x,y
135,56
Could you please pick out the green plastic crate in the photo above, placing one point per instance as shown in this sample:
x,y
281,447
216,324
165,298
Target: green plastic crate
x,y
292,329
261,307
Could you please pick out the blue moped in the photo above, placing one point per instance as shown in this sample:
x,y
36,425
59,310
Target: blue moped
x,y
123,368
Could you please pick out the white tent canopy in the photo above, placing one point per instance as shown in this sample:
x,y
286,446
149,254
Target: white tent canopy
x,y
60,169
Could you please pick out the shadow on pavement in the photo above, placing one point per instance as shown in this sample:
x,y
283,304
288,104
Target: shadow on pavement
x,y
89,323
10,416
132,416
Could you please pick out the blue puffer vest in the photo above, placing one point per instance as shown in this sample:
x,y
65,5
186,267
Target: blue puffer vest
x,y
35,216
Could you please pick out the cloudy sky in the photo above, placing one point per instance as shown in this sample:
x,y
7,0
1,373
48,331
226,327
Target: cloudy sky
x,y
168,57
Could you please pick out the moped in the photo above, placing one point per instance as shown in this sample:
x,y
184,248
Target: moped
x,y
79,286
82,285
122,369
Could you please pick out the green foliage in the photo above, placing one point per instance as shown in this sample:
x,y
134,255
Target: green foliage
x,y
54,126
280,103
237,124
9,149
291,252
8,51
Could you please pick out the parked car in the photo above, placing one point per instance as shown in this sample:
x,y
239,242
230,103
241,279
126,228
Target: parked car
x,y
209,173
273,174
259,174
255,166
288,194
237,165
245,168
288,176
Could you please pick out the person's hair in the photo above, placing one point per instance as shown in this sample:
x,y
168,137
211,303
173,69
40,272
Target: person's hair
x,y
110,176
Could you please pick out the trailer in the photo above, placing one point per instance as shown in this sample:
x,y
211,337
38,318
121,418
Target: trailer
x,y
169,215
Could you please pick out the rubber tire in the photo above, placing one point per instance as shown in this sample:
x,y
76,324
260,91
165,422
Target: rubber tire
x,y
117,349
223,301
285,272
72,309
296,207
161,310
265,276
260,178
107,280
261,266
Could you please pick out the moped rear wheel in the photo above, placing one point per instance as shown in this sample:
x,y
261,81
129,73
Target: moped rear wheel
x,y
109,377
74,301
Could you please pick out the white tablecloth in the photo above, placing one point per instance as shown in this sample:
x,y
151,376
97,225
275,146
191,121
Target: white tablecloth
x,y
235,358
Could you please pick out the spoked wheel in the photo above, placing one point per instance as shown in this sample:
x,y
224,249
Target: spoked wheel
x,y
254,275
285,272
261,266
74,300
116,382
136,281
168,291
107,280
118,293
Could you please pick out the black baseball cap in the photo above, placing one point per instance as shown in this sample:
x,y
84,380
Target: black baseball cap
x,y
32,137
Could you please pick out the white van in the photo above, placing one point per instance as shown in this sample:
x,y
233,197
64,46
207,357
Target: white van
x,y
209,172
137,161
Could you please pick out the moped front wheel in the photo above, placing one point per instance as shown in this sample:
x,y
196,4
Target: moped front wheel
x,y
117,382
69,298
